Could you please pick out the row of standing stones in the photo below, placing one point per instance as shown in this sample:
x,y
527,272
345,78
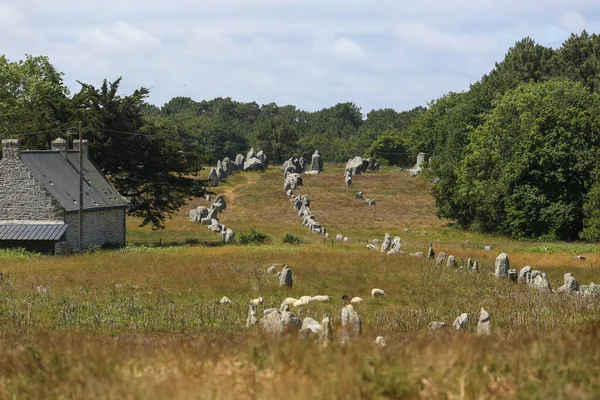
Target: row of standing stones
x,y
253,161
277,321
282,320
356,166
210,217
292,173
538,280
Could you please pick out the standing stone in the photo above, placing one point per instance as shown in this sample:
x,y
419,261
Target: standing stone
x,y
239,162
288,166
228,236
371,166
372,247
356,165
570,284
512,275
321,331
476,266
193,215
469,264
219,171
339,237
252,319
440,258
311,326
524,275
483,327
281,321
539,281
358,196
417,168
253,164
227,166
285,277
316,163
387,242
262,157
451,262
351,324
302,164
214,178
502,266
348,180
461,322
251,154
396,244
430,253
590,290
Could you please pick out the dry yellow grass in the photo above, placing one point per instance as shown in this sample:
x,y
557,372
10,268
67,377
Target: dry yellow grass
x,y
144,323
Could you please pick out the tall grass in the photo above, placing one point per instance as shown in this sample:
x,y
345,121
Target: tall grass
x,y
144,322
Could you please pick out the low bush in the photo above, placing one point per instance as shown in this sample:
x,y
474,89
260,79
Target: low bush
x,y
254,237
289,238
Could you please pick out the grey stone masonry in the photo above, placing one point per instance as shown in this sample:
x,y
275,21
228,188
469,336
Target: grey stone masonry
x,y
22,196
99,227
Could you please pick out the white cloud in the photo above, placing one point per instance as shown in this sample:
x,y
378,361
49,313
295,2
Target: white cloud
x,y
12,20
117,37
348,49
419,34
573,21
311,53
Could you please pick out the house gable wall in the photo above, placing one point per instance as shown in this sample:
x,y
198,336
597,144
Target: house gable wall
x,y
99,227
22,195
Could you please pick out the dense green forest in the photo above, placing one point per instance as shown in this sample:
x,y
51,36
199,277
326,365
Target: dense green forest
x,y
515,154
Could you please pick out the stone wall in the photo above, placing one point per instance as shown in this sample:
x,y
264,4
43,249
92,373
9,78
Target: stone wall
x,y
99,227
23,197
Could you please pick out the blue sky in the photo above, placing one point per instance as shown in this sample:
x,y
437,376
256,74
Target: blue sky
x,y
310,53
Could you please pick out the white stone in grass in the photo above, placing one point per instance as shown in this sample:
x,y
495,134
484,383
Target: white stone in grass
x,y
378,293
451,262
387,242
461,322
285,277
484,325
380,341
252,319
502,266
436,325
351,324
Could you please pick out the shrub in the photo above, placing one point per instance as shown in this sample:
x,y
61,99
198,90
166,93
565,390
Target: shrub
x,y
290,238
254,237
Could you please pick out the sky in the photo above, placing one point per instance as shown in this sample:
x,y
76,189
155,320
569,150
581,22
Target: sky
x,y
310,53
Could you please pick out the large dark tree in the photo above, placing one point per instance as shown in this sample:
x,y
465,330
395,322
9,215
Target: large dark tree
x,y
148,168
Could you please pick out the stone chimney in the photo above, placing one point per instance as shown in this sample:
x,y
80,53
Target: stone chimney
x,y
11,148
84,145
59,144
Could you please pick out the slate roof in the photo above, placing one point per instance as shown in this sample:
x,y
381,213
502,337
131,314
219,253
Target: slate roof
x,y
30,231
60,176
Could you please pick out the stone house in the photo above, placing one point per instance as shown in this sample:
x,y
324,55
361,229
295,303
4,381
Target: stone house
x,y
39,195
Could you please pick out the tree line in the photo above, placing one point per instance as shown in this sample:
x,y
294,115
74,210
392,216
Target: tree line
x,y
515,154
150,153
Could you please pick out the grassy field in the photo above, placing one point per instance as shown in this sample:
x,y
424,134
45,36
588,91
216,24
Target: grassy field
x,y
144,322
